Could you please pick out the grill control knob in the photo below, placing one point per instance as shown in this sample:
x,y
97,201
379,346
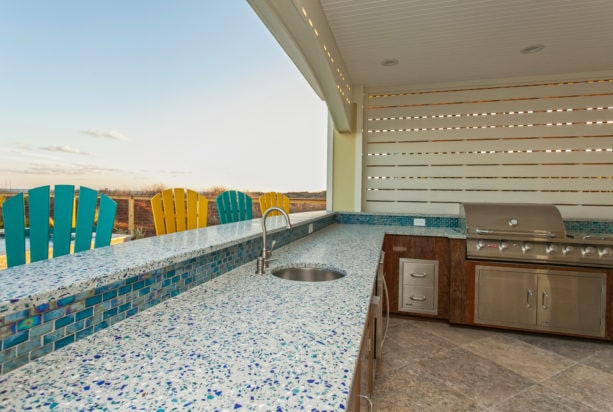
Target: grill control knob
x,y
502,246
525,247
480,244
605,252
588,251
551,248
567,249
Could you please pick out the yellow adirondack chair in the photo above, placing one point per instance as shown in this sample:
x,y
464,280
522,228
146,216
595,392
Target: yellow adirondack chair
x,y
270,199
178,209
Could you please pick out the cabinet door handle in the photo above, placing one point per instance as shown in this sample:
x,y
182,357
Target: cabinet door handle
x,y
544,303
419,275
418,298
529,294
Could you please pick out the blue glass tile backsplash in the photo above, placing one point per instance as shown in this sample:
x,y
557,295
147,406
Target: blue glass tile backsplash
x,y
399,220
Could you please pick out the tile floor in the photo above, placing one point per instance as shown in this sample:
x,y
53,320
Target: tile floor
x,y
433,366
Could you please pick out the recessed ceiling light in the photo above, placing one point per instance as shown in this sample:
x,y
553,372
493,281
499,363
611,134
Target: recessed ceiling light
x,y
535,48
389,62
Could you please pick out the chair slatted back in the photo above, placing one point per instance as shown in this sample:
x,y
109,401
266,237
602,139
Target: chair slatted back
x,y
39,201
63,212
106,220
178,209
234,206
13,214
39,211
270,199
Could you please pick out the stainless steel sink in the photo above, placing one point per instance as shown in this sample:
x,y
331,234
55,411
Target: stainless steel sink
x,y
308,274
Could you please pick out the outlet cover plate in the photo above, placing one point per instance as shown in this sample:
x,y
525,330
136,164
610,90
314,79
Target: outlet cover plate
x,y
418,221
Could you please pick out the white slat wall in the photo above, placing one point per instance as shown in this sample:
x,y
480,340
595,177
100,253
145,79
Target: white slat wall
x,y
427,152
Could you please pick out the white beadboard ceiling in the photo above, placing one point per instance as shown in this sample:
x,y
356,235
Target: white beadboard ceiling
x,y
448,41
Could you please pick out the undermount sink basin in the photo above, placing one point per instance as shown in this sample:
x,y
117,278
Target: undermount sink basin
x,y
308,274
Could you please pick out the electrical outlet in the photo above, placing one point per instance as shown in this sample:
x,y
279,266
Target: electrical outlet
x,y
310,228
419,222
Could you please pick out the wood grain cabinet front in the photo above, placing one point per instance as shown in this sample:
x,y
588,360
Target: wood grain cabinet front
x,y
417,291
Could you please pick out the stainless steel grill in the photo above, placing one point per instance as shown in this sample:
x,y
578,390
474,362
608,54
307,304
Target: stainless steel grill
x,y
530,233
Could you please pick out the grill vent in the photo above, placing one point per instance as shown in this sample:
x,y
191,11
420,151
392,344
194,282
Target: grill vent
x,y
548,143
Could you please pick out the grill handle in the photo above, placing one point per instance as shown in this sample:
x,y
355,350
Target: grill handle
x,y
544,234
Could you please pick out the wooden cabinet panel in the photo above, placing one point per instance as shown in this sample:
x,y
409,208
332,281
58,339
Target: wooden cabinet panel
x,y
417,247
609,310
457,281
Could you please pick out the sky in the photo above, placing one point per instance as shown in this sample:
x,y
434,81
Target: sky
x,y
135,95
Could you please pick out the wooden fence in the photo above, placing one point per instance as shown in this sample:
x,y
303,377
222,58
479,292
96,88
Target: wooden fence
x,y
134,215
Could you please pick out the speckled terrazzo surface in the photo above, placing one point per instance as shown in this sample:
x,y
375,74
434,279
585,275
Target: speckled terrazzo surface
x,y
240,341
71,274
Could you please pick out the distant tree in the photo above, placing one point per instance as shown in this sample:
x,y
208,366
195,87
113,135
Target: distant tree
x,y
155,188
216,190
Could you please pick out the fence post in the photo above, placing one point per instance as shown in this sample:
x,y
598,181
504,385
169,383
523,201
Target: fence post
x,y
130,214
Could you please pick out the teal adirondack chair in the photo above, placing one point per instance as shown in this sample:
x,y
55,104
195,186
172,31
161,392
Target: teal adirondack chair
x,y
84,222
233,206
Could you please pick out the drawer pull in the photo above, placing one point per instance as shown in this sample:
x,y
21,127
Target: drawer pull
x,y
418,298
419,275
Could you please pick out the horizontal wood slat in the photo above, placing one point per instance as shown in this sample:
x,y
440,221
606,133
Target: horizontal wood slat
x,y
413,208
483,196
549,143
475,95
499,158
502,184
499,132
594,212
596,103
488,171
534,144
498,120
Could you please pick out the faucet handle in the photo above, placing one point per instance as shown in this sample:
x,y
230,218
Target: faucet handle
x,y
269,251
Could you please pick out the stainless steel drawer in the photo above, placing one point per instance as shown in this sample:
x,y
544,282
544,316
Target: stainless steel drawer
x,y
417,273
418,286
418,297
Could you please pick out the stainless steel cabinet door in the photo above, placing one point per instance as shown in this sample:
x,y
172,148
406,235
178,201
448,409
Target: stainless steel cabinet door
x,y
572,303
505,297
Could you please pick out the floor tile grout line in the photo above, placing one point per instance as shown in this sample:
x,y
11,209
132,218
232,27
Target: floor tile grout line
x,y
582,362
434,378
535,383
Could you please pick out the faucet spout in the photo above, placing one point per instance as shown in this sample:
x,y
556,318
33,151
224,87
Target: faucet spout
x,y
262,262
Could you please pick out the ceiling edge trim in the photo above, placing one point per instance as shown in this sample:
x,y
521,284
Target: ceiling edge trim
x,y
288,26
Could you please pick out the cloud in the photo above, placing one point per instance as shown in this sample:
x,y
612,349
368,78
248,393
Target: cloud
x,y
176,172
64,169
64,149
105,135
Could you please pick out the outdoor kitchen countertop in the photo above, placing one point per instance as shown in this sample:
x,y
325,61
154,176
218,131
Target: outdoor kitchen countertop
x,y
240,341
71,274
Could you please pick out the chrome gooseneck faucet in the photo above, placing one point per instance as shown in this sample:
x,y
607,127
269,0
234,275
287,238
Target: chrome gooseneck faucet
x,y
263,260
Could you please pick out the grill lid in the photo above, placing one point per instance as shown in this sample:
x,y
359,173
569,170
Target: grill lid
x,y
513,220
